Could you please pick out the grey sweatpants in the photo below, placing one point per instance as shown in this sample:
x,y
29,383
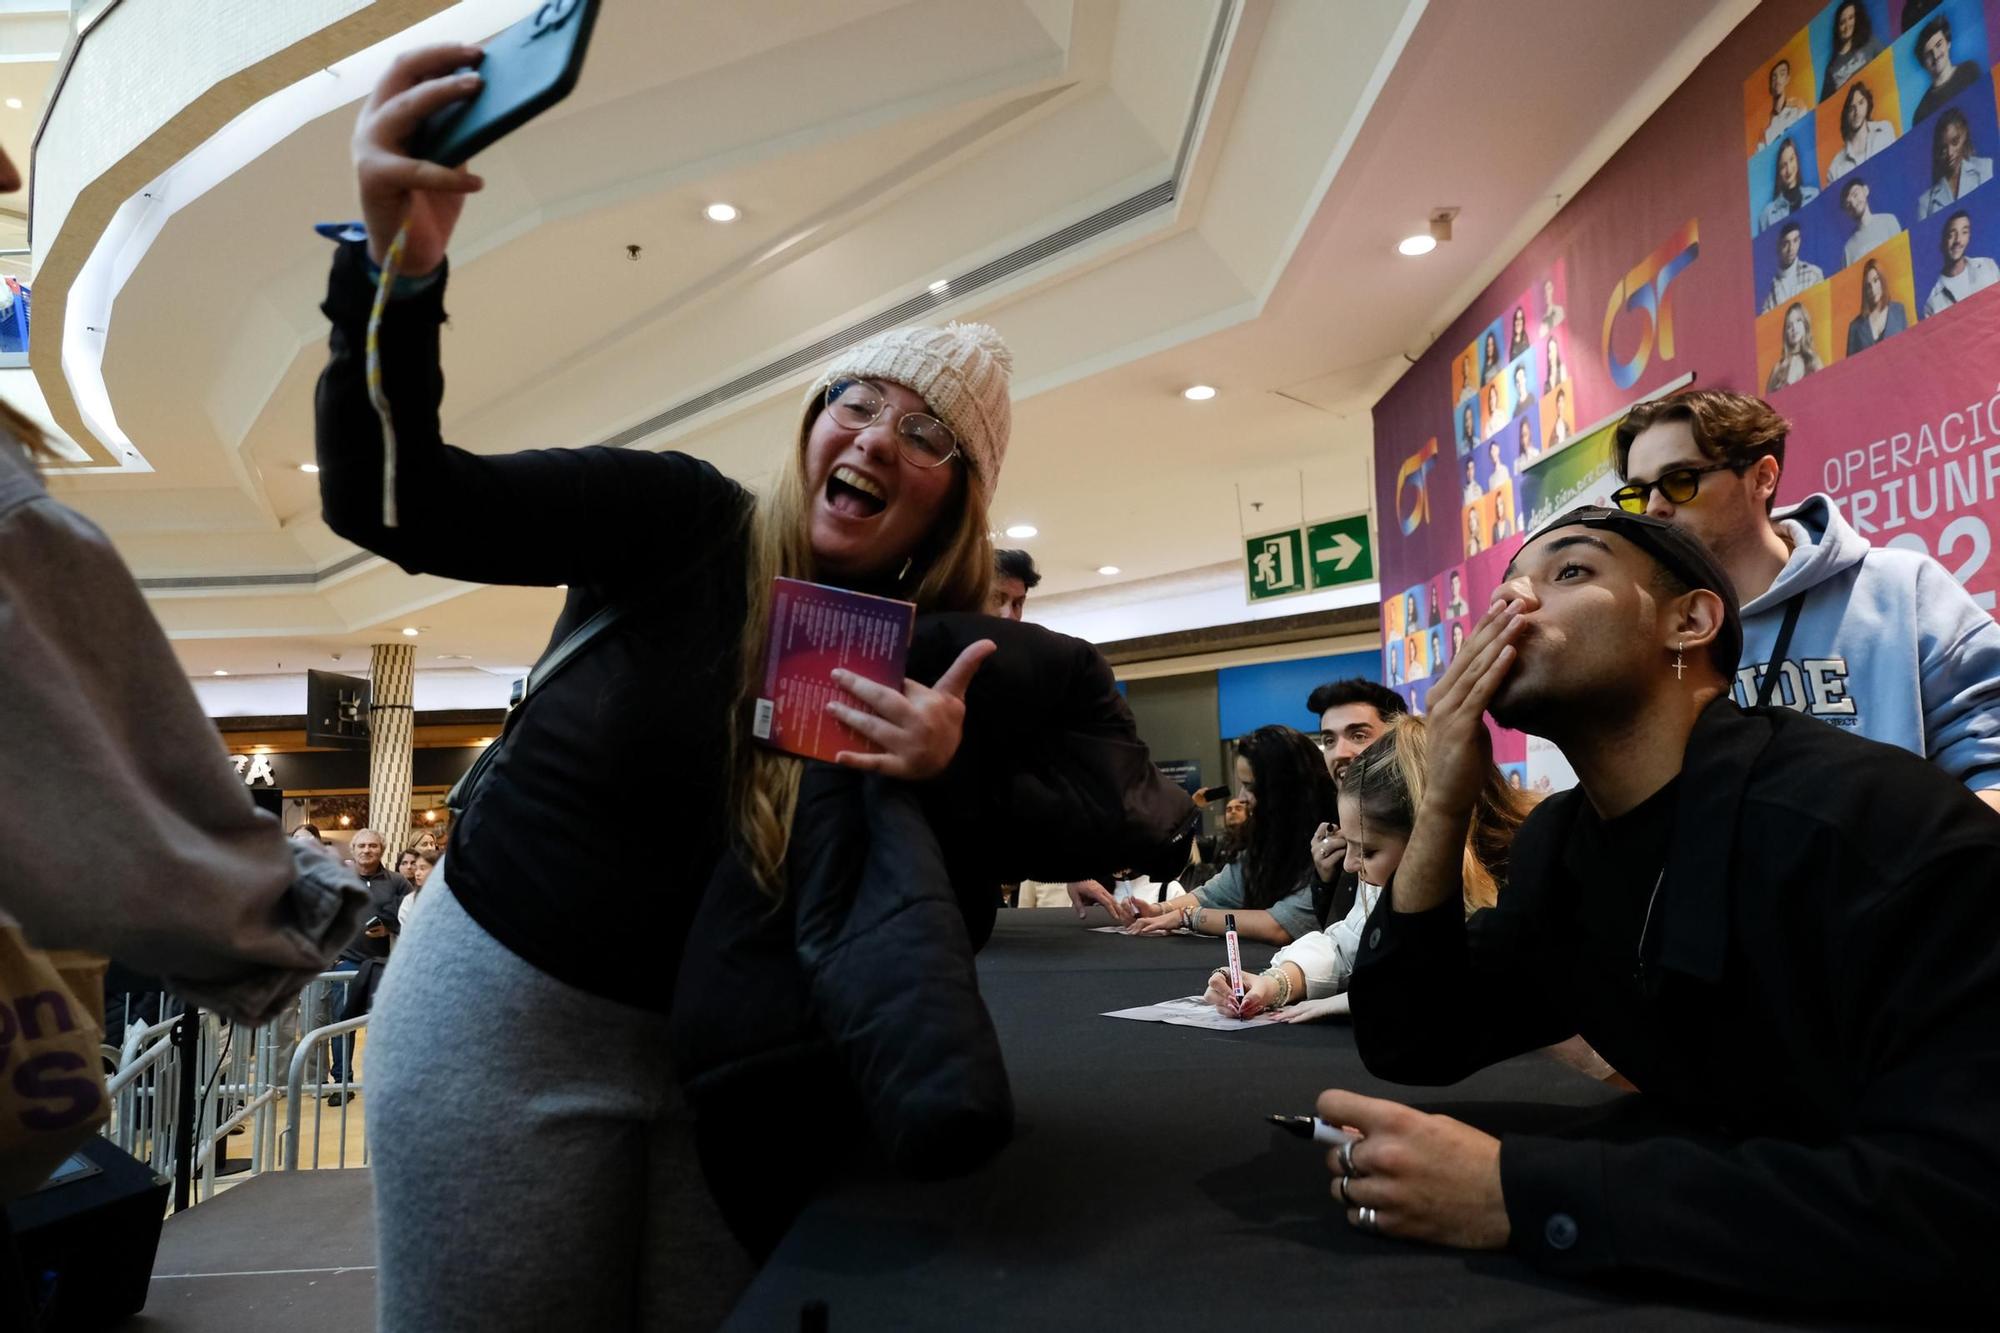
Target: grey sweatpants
x,y
529,1146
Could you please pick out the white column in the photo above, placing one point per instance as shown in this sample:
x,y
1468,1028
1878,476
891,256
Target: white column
x,y
393,679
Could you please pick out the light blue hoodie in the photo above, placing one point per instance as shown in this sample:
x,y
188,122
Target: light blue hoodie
x,y
1888,645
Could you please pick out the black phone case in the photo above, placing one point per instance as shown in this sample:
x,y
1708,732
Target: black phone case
x,y
528,68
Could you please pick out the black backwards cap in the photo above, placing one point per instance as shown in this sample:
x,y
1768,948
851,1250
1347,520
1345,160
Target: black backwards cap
x,y
1678,552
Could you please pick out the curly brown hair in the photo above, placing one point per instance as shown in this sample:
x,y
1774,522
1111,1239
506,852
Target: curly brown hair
x,y
1733,428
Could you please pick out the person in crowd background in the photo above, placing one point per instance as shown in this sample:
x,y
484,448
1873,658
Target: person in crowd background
x,y
1884,642
1949,78
404,860
1786,109
310,833
1014,577
386,889
1790,191
1797,357
1956,167
1353,714
1793,274
423,862
1961,274
1870,228
884,488
1854,45
1879,317
1862,136
1283,780
1679,909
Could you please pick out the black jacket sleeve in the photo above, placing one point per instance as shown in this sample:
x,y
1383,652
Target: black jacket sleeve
x,y
538,517
1437,996
1885,1215
1051,781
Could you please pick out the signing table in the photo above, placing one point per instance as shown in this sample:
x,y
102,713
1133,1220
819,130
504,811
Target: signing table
x,y
1145,1190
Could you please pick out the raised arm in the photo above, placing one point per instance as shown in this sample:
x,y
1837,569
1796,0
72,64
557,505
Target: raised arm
x,y
1429,1006
540,517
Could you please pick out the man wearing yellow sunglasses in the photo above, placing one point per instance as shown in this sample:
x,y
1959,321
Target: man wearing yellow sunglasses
x,y
1879,640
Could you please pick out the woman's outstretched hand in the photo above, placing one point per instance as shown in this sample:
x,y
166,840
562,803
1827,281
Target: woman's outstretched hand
x,y
392,182
920,729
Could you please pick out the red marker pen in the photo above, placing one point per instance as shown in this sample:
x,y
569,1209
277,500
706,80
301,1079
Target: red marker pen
x,y
1235,959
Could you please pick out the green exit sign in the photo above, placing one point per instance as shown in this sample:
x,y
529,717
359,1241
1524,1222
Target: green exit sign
x,y
1328,553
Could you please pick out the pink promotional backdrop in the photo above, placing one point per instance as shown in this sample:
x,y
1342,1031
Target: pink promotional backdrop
x,y
1668,264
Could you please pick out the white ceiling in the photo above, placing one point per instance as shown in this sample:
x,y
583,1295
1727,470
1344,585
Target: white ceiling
x,y
875,147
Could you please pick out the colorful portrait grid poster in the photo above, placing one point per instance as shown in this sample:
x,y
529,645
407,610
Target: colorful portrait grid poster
x,y
1512,403
1869,136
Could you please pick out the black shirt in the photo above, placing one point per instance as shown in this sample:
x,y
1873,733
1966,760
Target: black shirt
x,y
1962,76
1817,1016
385,893
548,857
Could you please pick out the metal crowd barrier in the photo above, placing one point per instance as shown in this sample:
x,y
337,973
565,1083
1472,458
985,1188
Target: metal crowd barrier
x,y
249,1087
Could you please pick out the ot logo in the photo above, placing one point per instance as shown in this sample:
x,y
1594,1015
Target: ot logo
x,y
1645,291
1413,509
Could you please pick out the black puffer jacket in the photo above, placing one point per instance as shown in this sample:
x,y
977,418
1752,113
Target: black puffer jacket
x,y
846,1020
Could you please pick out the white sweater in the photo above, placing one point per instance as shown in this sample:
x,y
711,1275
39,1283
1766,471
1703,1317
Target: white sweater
x,y
1327,956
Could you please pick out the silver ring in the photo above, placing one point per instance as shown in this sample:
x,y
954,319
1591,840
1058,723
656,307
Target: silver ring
x,y
1347,1157
1343,1191
1367,1222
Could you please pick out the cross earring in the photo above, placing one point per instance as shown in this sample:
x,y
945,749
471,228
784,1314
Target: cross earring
x,y
904,572
1680,667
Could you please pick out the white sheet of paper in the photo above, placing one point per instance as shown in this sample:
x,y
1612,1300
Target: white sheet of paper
x,y
1190,1012
1120,930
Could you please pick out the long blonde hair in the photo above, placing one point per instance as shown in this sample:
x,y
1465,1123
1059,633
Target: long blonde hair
x,y
1387,780
952,570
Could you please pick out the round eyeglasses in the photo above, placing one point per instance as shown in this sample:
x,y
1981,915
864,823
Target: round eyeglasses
x,y
1678,484
924,440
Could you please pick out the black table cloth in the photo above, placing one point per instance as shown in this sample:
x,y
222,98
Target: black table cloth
x,y
1145,1190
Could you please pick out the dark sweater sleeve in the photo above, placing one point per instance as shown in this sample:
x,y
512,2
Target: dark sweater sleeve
x,y
1884,1214
538,517
1437,996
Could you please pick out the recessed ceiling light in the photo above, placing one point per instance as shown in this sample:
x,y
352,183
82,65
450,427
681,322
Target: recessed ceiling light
x,y
410,631
13,104
309,468
220,673
721,213
1421,244
1108,570
1198,393
1022,531
940,287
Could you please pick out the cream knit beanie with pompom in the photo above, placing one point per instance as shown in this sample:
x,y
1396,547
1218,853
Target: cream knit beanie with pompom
x,y
959,370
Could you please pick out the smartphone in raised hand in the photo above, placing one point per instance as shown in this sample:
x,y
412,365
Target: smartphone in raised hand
x,y
527,69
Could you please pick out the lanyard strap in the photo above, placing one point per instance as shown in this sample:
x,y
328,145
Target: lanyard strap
x,y
1779,649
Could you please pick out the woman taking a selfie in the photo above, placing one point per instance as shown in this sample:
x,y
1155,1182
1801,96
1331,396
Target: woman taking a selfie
x,y
517,1085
